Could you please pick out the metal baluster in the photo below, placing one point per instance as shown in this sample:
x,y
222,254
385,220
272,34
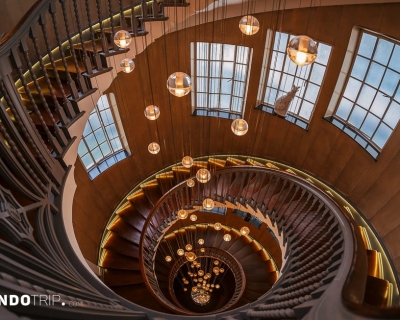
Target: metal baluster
x,y
53,141
96,55
115,47
70,82
60,112
86,59
67,104
103,38
20,157
21,125
79,78
122,16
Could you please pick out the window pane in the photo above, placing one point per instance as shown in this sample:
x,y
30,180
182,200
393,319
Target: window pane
x,y
215,68
281,40
375,74
105,148
227,69
390,82
370,124
277,59
94,121
202,68
225,101
324,52
344,108
242,55
215,85
229,52
216,51
87,130
202,50
306,110
270,96
100,135
357,116
367,45
352,89
380,104
395,59
382,135
226,85
366,96
393,115
202,85
87,161
383,51
97,155
103,103
317,74
311,93
359,68
91,141
82,149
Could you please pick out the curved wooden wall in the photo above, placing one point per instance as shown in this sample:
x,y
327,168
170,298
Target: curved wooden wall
x,y
323,150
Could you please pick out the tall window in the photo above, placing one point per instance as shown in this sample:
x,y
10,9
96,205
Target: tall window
x,y
221,74
280,75
101,145
369,108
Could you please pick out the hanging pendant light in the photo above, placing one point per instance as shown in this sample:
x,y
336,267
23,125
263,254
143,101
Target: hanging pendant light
x,y
190,183
180,252
193,217
152,112
249,25
188,247
203,175
187,161
179,84
127,65
239,127
190,256
200,241
182,214
302,50
168,258
217,226
244,231
122,39
208,204
227,237
154,148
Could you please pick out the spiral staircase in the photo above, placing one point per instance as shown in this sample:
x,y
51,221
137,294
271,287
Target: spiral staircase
x,y
321,255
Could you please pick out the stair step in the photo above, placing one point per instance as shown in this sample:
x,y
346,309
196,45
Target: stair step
x,y
125,230
60,68
121,245
130,215
141,203
118,277
115,260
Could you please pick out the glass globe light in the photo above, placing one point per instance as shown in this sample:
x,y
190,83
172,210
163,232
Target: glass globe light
x,y
188,247
168,258
200,279
187,161
208,276
190,256
239,127
122,39
208,204
127,65
212,285
249,25
199,285
192,265
216,270
182,214
302,50
227,237
185,289
217,226
193,217
154,148
190,183
194,289
179,84
216,262
222,270
152,112
186,282
211,290
194,279
244,231
200,273
203,175
180,252
200,241
217,286
202,250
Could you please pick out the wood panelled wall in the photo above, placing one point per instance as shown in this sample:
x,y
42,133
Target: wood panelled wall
x,y
323,150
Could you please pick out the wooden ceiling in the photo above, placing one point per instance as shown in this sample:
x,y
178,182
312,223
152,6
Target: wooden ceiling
x,y
323,150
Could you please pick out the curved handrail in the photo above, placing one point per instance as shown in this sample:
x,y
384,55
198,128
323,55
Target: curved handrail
x,y
146,239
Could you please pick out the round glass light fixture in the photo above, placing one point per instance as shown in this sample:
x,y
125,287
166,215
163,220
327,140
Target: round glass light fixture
x,y
194,289
154,148
182,214
152,112
217,286
244,231
168,258
217,226
249,25
190,183
122,39
190,256
202,250
127,65
216,270
200,241
180,252
208,276
208,204
185,289
187,161
227,237
194,279
211,290
302,50
188,247
203,175
193,217
201,273
212,285
179,84
222,270
239,127
216,262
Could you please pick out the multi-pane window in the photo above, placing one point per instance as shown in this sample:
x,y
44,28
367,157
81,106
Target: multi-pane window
x,y
220,73
100,146
281,75
370,103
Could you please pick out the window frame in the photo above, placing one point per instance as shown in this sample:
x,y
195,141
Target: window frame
x,y
267,68
219,112
346,126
